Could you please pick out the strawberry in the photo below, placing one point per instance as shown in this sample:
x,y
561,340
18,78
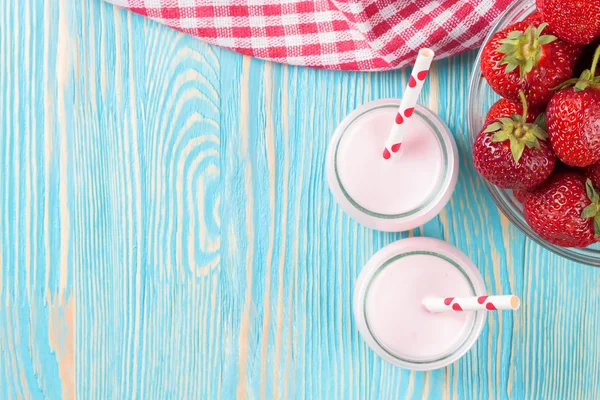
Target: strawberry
x,y
520,195
593,172
522,58
573,119
513,154
536,18
575,21
565,211
506,108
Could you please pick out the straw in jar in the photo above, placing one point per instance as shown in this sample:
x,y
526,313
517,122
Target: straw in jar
x,y
476,303
409,102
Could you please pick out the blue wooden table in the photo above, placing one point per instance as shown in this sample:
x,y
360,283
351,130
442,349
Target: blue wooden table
x,y
167,232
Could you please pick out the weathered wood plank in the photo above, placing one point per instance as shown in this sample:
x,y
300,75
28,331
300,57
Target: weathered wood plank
x,y
168,232
37,312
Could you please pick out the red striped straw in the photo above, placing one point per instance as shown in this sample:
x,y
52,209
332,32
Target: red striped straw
x,y
480,303
409,101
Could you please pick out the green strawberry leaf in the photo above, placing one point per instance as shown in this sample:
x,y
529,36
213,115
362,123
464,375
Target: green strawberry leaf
x,y
591,191
493,127
597,226
508,59
590,211
540,28
532,142
514,41
586,75
516,148
506,121
500,136
541,122
546,39
567,83
528,66
510,68
589,188
517,117
514,35
506,47
581,86
538,132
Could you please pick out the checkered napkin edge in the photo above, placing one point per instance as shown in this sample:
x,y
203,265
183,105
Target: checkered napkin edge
x,y
331,34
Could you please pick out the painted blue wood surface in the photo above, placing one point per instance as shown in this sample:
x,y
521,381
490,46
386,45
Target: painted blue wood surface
x,y
167,232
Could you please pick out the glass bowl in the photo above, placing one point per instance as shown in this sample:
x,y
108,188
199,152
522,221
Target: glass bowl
x,y
481,97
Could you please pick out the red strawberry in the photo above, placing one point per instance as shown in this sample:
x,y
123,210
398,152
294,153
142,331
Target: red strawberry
x,y
573,119
565,211
520,195
506,108
520,58
575,21
593,172
513,154
536,18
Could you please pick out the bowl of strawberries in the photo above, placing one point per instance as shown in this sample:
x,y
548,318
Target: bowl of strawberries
x,y
534,122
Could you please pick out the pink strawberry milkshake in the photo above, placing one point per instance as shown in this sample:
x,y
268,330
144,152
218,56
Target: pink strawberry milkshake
x,y
388,309
400,193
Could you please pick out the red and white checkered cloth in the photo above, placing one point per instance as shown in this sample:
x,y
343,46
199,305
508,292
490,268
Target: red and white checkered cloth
x,y
334,34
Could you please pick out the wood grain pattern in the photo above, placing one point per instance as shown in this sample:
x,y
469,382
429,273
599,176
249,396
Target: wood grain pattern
x,y
167,231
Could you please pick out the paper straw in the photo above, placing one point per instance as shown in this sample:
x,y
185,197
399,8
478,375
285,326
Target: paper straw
x,y
481,303
409,101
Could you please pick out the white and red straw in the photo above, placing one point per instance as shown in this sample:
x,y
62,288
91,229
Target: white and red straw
x,y
479,303
409,102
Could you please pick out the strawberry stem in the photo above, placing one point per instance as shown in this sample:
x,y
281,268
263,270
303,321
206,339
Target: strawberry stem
x,y
524,104
530,47
595,62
